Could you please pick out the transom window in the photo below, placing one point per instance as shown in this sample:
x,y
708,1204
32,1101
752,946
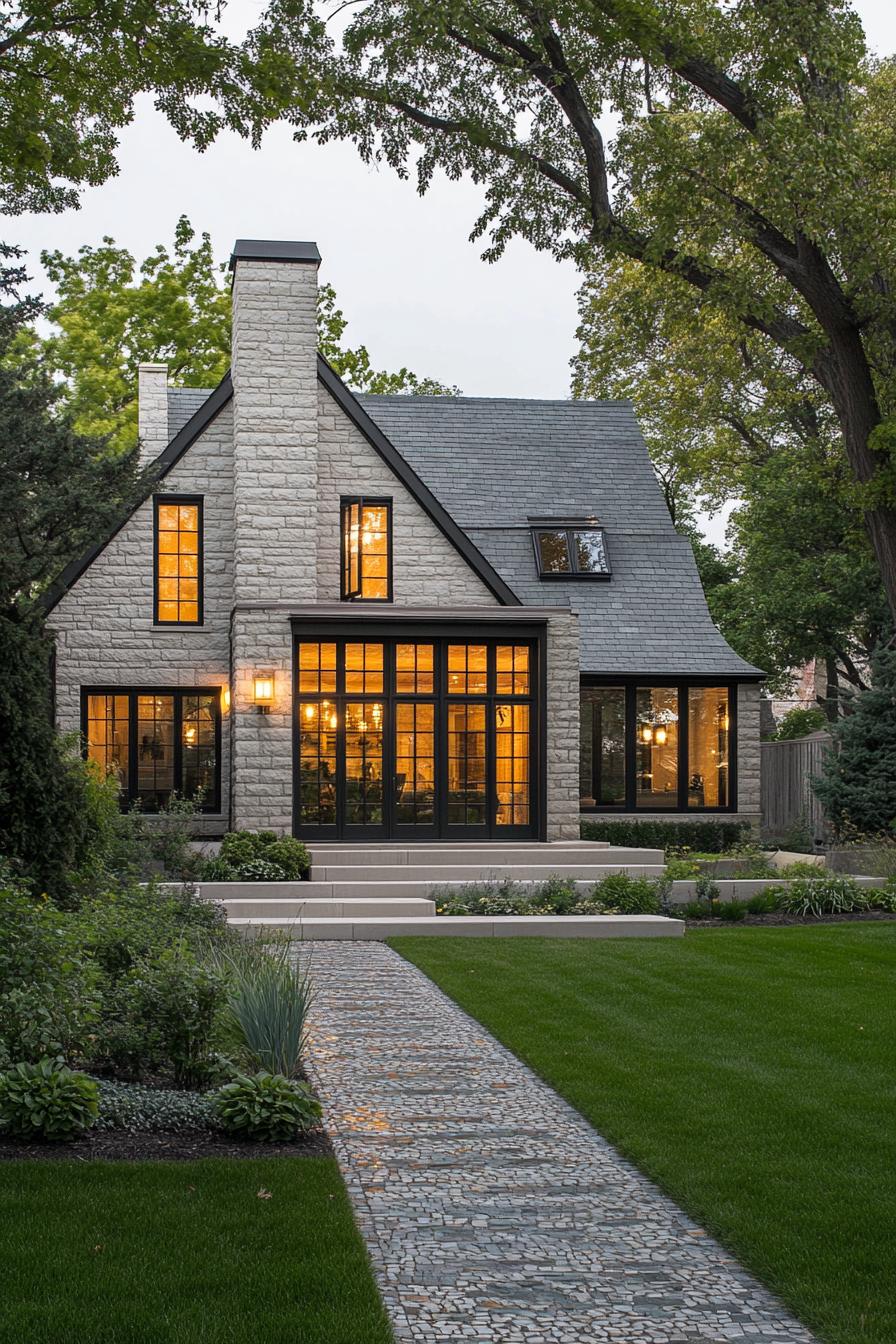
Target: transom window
x,y
657,747
178,560
366,550
570,550
156,743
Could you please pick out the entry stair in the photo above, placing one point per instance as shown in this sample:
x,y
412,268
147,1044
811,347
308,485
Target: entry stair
x,y
383,890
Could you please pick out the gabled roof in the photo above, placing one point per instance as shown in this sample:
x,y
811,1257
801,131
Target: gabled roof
x,y
494,464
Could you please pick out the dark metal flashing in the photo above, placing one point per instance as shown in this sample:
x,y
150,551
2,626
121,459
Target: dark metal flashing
x,y
265,249
162,465
412,482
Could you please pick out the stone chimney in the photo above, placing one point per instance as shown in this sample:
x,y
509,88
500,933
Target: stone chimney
x,y
274,369
152,410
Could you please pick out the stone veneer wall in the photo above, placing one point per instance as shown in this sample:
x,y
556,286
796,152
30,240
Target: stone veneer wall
x,y
426,568
563,727
104,624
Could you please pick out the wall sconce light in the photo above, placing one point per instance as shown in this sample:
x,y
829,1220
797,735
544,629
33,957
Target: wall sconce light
x,y
659,737
647,733
264,692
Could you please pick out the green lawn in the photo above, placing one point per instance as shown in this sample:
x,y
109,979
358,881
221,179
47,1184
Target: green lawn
x,y
183,1253
749,1071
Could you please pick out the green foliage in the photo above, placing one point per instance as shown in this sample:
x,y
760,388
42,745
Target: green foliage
x,y
111,314
682,870
628,895
764,902
268,997
162,1017
49,1001
730,912
46,1100
706,888
710,837
828,895
258,856
266,1107
800,723
142,1110
555,896
69,82
858,783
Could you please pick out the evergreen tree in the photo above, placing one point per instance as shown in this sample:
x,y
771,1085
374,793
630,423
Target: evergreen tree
x,y
858,785
58,492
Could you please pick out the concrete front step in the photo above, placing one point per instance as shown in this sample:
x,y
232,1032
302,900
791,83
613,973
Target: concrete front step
x,y
281,909
444,854
472,926
484,872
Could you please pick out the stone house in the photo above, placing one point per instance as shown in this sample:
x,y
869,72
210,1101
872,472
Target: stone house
x,y
362,617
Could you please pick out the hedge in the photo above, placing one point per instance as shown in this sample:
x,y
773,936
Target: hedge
x,y
710,837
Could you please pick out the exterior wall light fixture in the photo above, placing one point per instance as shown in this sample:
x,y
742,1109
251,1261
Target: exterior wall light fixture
x,y
264,692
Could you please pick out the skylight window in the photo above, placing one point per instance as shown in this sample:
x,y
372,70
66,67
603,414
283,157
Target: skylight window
x,y
570,550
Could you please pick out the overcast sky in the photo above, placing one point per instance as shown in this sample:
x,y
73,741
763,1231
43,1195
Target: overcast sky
x,y
411,284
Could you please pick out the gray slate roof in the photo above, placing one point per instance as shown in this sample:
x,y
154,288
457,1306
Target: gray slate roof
x,y
494,463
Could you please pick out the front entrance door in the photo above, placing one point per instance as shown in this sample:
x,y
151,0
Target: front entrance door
x,y
415,738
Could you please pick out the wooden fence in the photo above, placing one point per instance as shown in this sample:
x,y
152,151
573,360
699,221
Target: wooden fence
x,y
787,797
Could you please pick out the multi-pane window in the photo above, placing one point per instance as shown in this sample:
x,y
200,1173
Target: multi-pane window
x,y
512,674
414,669
575,551
467,669
157,743
178,560
512,755
366,550
656,747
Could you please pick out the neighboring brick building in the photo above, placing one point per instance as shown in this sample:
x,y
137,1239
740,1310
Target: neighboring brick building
x,y
366,617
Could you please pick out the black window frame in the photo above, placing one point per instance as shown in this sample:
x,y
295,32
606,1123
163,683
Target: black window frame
x,y
179,693
347,502
570,527
631,685
158,501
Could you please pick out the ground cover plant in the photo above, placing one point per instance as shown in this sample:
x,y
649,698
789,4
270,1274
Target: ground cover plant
x,y
615,894
200,1252
748,1072
257,856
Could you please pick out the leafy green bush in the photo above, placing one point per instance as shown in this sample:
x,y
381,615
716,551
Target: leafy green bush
x,y
555,896
801,869
123,926
764,902
266,1106
142,1109
885,897
268,997
829,895
711,837
730,911
694,910
800,723
46,1101
682,870
162,1017
49,999
628,895
706,888
258,856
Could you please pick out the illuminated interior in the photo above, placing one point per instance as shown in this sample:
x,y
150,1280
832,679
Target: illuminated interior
x,y
656,746
708,734
177,563
365,550
133,735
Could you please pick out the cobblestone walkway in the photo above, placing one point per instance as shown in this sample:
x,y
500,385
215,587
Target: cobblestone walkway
x,y
492,1211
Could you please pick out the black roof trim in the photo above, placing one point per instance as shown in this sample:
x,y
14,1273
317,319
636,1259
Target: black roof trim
x,y
264,249
162,465
409,478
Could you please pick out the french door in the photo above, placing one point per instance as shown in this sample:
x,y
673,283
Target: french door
x,y
429,738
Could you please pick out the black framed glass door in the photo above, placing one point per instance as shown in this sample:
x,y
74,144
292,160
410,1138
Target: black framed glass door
x,y
416,738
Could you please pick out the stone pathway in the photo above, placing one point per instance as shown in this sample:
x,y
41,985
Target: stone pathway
x,y
492,1211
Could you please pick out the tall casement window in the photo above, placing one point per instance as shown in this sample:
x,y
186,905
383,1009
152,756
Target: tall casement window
x,y
178,560
366,550
657,748
156,743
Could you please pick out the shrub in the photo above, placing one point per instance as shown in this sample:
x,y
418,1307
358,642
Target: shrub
x,y
706,888
694,910
858,783
49,998
628,895
268,998
258,856
829,895
142,1109
764,903
800,869
163,1017
730,911
710,837
266,1106
682,870
800,723
46,1101
885,897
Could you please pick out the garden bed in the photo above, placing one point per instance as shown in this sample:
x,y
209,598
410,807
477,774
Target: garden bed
x,y
778,917
116,1145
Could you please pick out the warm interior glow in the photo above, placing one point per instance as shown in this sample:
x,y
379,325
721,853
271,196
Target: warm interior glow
x,y
647,733
660,736
225,698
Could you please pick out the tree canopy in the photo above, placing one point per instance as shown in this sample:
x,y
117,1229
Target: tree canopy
x,y
69,74
752,160
111,314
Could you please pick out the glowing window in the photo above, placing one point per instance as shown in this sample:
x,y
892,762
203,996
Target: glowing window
x,y
366,550
178,560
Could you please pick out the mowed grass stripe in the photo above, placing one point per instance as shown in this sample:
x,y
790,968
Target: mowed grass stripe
x,y
749,1071
183,1253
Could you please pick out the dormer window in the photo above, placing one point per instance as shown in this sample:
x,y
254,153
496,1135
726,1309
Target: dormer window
x,y
567,549
366,550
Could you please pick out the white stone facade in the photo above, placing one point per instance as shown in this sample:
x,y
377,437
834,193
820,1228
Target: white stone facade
x,y
271,467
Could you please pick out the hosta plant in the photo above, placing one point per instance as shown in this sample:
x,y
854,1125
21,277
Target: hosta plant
x,y
266,1106
829,895
46,1101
